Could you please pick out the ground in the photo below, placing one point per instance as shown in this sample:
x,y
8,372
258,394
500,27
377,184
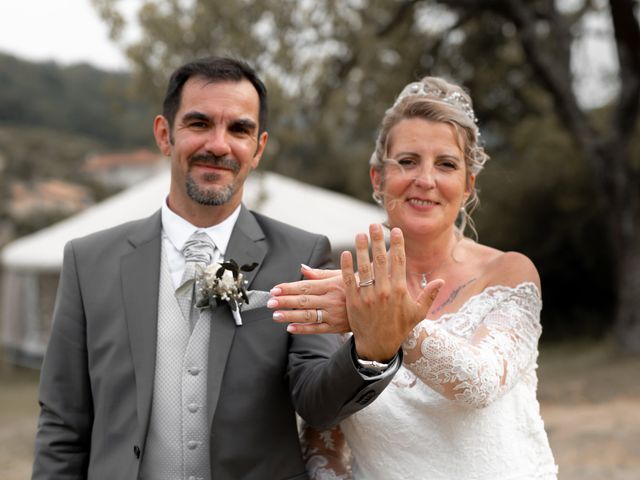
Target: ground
x,y
590,400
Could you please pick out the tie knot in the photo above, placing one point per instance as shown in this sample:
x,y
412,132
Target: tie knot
x,y
198,248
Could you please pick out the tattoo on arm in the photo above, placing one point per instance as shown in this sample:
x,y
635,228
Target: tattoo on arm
x,y
452,296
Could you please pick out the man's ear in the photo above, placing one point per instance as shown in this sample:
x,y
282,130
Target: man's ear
x,y
262,143
162,133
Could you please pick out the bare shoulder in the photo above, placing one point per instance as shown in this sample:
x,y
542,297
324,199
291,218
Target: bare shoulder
x,y
511,269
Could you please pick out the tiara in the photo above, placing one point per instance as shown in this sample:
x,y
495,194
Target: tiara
x,y
455,99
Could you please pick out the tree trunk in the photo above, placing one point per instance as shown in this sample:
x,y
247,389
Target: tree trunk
x,y
627,321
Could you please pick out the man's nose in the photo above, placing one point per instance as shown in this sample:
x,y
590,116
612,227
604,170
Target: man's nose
x,y
218,143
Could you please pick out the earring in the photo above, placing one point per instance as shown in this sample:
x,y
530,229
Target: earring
x,y
377,197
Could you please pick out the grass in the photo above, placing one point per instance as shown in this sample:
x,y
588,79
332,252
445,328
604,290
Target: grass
x,y
589,395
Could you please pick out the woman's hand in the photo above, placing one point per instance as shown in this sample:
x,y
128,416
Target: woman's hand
x,y
318,303
380,309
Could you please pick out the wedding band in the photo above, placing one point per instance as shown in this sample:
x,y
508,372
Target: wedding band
x,y
318,316
366,283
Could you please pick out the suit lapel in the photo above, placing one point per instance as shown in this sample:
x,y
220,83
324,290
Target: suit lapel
x,y
140,288
246,246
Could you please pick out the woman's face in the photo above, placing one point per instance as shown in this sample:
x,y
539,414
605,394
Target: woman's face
x,y
424,178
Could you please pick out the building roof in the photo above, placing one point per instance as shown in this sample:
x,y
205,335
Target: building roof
x,y
337,216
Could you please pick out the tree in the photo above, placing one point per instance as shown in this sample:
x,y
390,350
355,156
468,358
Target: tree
x,y
333,66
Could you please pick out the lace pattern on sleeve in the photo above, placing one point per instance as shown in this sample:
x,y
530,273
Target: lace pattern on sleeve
x,y
325,453
478,353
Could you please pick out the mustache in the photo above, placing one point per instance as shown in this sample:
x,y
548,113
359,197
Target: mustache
x,y
209,159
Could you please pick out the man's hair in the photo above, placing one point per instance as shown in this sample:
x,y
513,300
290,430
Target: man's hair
x,y
213,69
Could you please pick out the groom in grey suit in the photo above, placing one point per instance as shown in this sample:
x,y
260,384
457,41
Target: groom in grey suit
x,y
133,386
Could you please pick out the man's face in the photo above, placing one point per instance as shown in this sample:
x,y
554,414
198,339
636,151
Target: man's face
x,y
213,145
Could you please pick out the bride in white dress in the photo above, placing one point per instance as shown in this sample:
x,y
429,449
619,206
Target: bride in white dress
x,y
463,405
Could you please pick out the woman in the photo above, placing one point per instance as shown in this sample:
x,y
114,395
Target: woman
x,y
463,405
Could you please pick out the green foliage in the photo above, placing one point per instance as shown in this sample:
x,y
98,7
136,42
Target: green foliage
x,y
334,66
78,99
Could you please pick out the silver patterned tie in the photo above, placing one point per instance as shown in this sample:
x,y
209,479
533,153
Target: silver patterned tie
x,y
198,251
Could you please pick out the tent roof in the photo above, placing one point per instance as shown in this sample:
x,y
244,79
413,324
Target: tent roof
x,y
337,216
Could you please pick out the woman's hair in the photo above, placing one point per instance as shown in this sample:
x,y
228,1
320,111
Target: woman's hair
x,y
437,100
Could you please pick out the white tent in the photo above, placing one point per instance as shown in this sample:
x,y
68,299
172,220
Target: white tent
x,y
31,264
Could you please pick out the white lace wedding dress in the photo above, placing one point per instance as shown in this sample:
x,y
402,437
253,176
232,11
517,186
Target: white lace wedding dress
x,y
463,406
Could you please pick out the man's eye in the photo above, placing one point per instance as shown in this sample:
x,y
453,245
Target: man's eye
x,y
240,129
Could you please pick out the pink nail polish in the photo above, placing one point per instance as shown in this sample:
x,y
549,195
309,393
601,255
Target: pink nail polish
x,y
275,291
277,316
272,303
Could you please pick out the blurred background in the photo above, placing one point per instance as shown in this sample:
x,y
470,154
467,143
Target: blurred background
x,y
556,87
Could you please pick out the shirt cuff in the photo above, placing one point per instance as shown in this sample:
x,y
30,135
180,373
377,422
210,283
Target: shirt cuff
x,y
374,373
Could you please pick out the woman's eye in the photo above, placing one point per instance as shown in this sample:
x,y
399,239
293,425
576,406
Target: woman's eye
x,y
448,164
406,162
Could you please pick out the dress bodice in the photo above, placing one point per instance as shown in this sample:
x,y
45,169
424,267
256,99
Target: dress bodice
x,y
463,405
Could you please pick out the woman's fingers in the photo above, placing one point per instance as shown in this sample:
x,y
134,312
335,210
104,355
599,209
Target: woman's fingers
x,y
318,273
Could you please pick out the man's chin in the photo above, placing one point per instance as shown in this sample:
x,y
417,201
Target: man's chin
x,y
210,196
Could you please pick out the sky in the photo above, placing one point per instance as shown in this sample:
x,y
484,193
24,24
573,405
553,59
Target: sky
x,y
67,31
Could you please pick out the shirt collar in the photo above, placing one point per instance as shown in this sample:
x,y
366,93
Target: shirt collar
x,y
178,230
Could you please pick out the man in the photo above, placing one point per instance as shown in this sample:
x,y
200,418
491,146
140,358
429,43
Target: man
x,y
132,385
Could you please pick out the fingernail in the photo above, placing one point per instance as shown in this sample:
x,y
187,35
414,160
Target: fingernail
x,y
275,291
277,316
305,267
291,328
272,303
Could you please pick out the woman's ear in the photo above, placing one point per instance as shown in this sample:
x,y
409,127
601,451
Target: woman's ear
x,y
376,179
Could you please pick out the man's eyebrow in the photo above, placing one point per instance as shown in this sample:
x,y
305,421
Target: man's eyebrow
x,y
195,116
245,123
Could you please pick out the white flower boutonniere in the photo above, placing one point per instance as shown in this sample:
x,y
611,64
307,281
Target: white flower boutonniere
x,y
220,283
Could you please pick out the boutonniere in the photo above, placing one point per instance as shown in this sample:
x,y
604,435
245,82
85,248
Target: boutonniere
x,y
220,283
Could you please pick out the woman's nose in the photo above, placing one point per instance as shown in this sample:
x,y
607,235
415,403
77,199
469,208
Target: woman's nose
x,y
424,177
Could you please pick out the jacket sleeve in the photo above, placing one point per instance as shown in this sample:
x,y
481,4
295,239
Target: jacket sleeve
x,y
63,438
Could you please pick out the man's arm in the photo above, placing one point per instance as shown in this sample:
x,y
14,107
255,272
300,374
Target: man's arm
x,y
63,439
325,381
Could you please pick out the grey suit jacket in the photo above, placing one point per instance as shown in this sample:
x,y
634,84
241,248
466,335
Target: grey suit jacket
x,y
97,377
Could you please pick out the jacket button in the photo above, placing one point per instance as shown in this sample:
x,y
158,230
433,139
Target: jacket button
x,y
136,451
366,397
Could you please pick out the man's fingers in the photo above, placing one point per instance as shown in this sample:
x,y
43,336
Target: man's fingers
x,y
397,259
429,294
365,272
379,253
348,277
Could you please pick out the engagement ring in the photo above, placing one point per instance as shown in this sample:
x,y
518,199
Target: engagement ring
x,y
318,316
366,283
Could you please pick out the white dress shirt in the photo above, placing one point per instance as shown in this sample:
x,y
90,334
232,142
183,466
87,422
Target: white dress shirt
x,y
176,231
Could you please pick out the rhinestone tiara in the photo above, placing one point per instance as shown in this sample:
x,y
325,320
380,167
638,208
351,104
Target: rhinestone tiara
x,y
455,99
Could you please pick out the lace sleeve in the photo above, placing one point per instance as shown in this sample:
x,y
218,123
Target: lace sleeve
x,y
481,351
325,453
